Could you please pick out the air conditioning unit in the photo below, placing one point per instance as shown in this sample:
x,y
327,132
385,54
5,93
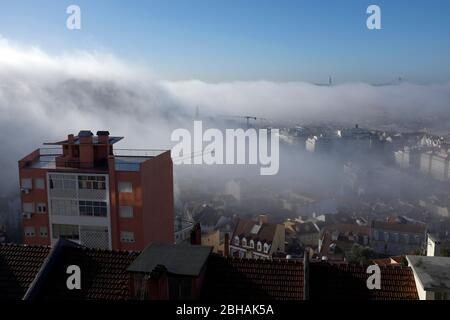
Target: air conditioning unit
x,y
25,190
26,215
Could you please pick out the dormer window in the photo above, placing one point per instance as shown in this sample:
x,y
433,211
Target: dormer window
x,y
252,244
236,240
259,246
266,248
244,242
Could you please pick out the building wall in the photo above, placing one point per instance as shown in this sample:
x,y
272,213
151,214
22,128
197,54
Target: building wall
x,y
134,200
35,196
158,202
212,239
393,247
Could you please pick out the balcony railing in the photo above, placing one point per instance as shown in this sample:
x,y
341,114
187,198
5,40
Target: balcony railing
x,y
138,152
55,151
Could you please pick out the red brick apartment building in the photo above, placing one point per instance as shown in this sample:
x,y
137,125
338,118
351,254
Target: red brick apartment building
x,y
83,190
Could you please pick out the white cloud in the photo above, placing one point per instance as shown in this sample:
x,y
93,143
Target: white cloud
x,y
44,97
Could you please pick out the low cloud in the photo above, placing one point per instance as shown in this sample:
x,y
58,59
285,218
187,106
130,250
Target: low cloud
x,y
43,97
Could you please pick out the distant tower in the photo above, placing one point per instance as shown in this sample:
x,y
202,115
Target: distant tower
x,y
197,112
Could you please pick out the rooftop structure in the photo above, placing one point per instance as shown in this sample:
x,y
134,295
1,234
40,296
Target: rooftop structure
x,y
432,276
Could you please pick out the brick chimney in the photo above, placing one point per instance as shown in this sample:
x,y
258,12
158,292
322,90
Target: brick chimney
x,y
196,235
86,149
263,218
85,136
158,284
103,137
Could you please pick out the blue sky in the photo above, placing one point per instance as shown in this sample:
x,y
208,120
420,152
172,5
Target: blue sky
x,y
224,40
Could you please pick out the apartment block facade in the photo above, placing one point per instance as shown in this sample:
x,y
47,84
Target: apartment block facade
x,y
84,190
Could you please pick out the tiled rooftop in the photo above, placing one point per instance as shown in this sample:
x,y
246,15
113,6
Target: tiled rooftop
x,y
249,279
104,275
348,282
19,265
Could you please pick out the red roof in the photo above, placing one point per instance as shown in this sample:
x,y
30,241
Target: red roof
x,y
265,233
104,275
19,265
348,282
250,279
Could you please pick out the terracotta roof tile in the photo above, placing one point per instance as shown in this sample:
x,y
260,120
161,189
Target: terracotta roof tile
x,y
249,279
19,265
348,282
103,274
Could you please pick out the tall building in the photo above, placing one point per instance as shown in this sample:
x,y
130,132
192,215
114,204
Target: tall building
x,y
83,190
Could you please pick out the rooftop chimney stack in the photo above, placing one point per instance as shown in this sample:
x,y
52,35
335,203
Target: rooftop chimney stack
x,y
103,137
70,138
86,149
85,136
196,235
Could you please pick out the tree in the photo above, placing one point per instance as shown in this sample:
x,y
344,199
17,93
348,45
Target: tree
x,y
360,254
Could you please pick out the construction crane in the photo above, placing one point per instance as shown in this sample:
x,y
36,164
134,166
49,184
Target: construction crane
x,y
247,118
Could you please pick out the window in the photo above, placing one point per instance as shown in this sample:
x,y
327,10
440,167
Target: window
x,y
252,244
66,231
40,183
126,236
93,208
236,240
28,207
29,231
64,207
375,235
386,236
63,181
259,246
125,186
126,212
43,231
266,248
91,182
41,207
26,183
244,242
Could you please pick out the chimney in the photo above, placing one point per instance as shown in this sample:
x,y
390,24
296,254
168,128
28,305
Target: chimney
x,y
226,245
103,137
85,136
70,138
158,284
86,149
196,235
263,218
